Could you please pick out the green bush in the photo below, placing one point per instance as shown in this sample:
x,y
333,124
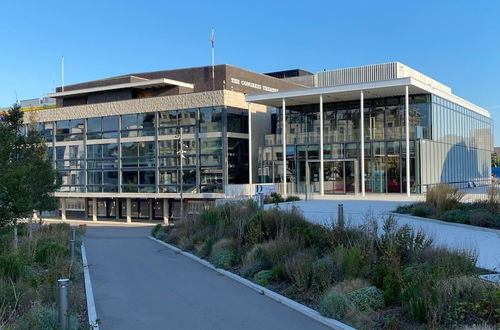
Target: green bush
x,y
253,230
299,270
11,265
422,210
333,304
292,199
278,251
405,209
457,215
254,261
48,250
351,261
224,259
323,273
279,272
273,198
367,298
482,219
44,318
264,277
155,230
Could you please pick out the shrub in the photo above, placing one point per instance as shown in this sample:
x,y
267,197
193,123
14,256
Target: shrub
x,y
482,219
292,199
351,261
367,298
299,270
253,230
278,251
273,198
204,249
255,260
405,209
48,250
457,215
155,230
351,285
279,272
443,197
333,304
323,273
422,210
44,318
493,200
11,265
224,259
264,277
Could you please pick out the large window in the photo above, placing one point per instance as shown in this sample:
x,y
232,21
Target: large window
x,y
102,127
69,130
142,124
211,119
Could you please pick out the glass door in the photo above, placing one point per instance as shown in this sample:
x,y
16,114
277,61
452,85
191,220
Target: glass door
x,y
314,177
334,177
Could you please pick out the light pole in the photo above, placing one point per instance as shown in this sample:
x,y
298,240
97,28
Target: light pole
x,y
181,162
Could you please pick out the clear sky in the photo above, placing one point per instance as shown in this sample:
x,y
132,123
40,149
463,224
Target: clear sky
x,y
455,42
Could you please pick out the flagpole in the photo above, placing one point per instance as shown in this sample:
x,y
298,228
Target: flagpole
x,y
62,74
212,40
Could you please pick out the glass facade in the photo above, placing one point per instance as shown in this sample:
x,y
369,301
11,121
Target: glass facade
x,y
384,132
139,153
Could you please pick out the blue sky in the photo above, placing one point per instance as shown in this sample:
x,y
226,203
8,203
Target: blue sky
x,y
455,42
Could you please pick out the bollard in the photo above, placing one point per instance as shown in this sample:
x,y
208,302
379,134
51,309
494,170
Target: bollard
x,y
72,250
73,234
63,303
341,216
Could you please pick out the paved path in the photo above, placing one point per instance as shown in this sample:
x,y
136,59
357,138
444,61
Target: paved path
x,y
485,242
139,284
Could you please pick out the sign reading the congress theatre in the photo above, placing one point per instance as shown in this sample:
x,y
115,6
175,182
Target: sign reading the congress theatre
x,y
253,85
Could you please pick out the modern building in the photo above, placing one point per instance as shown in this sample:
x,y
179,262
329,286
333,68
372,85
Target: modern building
x,y
382,128
116,142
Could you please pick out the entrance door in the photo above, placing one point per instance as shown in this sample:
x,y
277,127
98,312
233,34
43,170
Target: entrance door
x,y
334,177
314,177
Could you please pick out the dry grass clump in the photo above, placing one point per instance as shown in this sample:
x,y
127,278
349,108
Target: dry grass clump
x,y
443,197
493,200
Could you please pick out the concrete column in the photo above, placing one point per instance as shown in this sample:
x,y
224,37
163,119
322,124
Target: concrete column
x,y
117,209
321,163
150,209
249,144
86,209
165,211
362,138
94,209
407,125
63,208
283,138
129,210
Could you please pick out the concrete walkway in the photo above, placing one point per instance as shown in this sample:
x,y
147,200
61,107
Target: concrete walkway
x,y
139,284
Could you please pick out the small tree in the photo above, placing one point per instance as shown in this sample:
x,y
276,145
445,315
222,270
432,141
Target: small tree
x,y
27,177
495,160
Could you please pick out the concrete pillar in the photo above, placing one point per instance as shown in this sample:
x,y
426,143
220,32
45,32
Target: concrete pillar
x,y
117,209
283,138
94,209
129,210
321,162
407,125
150,209
63,208
362,138
250,181
165,211
86,209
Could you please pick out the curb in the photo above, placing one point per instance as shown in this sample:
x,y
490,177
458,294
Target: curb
x,y
91,311
309,312
441,222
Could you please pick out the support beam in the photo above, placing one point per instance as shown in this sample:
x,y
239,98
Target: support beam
x,y
150,209
407,125
165,211
128,210
283,141
362,139
117,209
63,208
321,163
250,161
94,209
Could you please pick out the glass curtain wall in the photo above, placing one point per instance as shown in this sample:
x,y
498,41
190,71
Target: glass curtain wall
x,y
384,132
132,152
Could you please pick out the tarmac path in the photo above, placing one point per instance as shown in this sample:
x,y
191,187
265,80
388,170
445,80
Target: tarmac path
x,y
140,284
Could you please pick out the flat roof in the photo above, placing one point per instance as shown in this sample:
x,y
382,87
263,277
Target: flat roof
x,y
138,85
351,92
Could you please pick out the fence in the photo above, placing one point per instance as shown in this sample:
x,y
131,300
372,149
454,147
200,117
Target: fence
x,y
474,191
